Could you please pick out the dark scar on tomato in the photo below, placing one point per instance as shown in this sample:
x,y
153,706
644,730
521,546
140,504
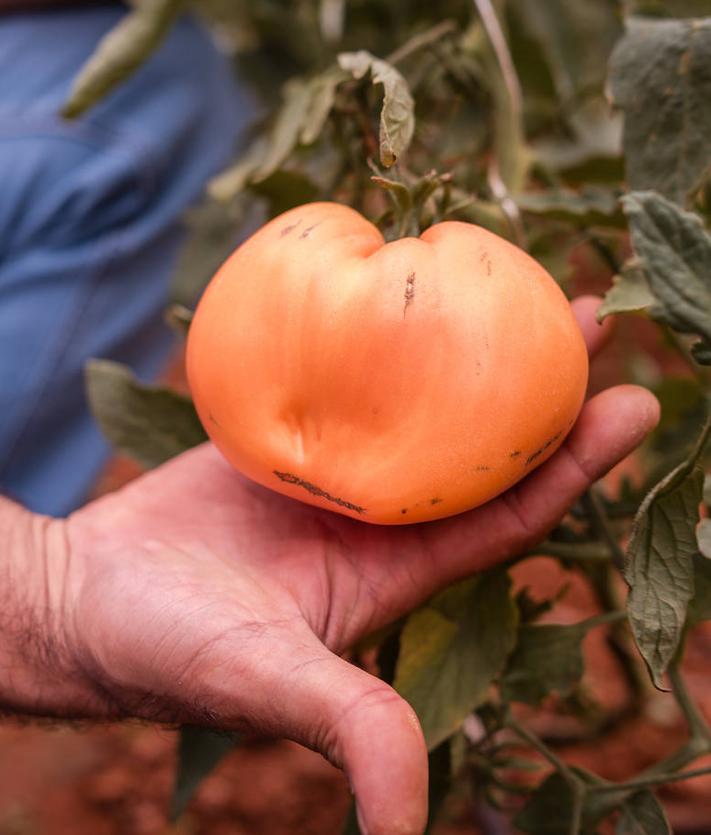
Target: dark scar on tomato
x,y
212,419
409,292
532,457
308,230
404,510
485,259
436,501
482,468
289,478
290,228
515,453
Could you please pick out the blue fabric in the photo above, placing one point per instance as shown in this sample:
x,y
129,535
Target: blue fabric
x,y
89,229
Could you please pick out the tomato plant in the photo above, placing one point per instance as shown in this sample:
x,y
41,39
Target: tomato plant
x,y
580,132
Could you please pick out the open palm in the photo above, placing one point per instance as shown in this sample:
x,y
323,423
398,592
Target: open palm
x,y
206,598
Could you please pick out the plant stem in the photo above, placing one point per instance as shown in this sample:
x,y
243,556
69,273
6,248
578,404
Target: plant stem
x,y
677,346
577,788
508,175
603,578
576,551
600,620
603,582
651,781
421,40
698,727
601,525
497,39
605,252
536,742
576,818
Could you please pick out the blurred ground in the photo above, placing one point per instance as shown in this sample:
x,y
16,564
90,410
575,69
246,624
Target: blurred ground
x,y
117,780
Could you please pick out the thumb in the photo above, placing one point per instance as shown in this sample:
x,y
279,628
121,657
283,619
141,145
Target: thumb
x,y
363,726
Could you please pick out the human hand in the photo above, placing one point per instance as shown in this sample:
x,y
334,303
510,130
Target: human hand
x,y
198,596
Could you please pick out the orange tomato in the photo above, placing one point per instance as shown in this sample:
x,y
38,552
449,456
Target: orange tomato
x,y
391,382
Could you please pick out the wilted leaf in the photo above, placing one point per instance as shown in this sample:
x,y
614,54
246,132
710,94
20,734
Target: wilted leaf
x,y
547,658
300,120
121,52
290,122
148,423
674,251
589,207
642,814
322,94
199,751
229,183
629,293
576,39
397,118
451,650
659,76
659,562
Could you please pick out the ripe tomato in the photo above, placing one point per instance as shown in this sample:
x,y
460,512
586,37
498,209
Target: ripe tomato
x,y
393,383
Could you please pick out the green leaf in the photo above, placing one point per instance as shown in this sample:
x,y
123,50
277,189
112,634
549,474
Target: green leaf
x,y
452,649
199,751
549,811
547,658
659,565
588,207
121,52
285,190
642,814
674,251
576,39
594,151
148,423
629,293
659,77
397,118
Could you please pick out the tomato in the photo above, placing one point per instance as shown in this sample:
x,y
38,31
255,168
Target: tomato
x,y
392,382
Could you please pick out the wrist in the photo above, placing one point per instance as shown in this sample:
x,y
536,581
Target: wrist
x,y
40,673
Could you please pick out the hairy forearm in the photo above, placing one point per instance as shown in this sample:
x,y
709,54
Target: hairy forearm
x,y
39,673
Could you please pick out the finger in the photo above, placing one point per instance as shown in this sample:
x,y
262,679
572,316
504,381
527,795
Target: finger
x,y
610,426
300,691
594,333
